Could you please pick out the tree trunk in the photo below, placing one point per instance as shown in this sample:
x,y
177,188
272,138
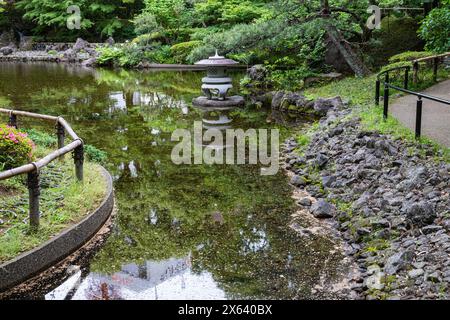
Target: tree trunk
x,y
350,56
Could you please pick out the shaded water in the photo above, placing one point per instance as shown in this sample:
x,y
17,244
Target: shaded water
x,y
182,232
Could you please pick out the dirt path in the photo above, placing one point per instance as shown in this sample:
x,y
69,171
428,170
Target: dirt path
x,y
435,116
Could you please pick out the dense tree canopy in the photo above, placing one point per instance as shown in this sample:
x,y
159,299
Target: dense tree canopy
x,y
292,35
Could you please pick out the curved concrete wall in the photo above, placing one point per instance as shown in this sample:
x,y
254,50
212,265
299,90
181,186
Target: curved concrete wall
x,y
56,249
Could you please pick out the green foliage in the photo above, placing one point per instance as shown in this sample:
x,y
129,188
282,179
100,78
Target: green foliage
x,y
94,154
99,18
166,14
109,55
16,148
146,23
291,80
239,38
396,65
435,29
230,12
41,138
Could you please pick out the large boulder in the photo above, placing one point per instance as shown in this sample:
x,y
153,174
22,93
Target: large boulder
x,y
91,62
398,261
69,55
322,105
257,73
110,41
290,101
6,51
322,209
80,45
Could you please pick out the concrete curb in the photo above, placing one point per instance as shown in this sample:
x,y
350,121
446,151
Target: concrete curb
x,y
56,249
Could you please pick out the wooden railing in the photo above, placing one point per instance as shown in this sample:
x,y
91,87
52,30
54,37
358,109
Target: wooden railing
x,y
33,169
437,59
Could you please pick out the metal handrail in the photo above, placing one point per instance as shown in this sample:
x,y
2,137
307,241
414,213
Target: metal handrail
x,y
419,104
33,169
420,95
392,69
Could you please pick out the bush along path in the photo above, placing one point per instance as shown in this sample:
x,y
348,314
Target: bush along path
x,y
388,197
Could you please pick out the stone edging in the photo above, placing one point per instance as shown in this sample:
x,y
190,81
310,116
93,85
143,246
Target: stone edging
x,y
56,249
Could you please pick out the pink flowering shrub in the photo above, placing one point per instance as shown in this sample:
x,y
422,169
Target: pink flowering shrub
x,y
16,148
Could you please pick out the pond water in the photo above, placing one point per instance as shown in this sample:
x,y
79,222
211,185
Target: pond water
x,y
182,231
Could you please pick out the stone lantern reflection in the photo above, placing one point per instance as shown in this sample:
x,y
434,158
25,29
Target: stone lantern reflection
x,y
215,103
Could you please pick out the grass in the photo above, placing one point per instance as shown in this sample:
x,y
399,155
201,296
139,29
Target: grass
x,y
361,94
63,202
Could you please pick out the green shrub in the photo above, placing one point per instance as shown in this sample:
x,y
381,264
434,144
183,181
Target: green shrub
x,y
41,138
109,55
435,29
396,65
409,56
291,80
16,148
162,54
181,50
94,154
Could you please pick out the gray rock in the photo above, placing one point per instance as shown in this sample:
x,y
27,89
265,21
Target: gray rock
x,y
322,209
110,41
327,181
305,202
321,160
91,62
431,229
257,72
80,45
415,273
420,214
6,51
298,181
322,105
380,223
335,132
398,262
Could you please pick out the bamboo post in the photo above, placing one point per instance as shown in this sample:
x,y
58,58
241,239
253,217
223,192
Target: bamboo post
x,y
13,120
435,68
34,191
415,72
405,84
78,155
60,132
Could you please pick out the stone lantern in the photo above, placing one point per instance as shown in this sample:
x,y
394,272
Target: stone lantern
x,y
216,84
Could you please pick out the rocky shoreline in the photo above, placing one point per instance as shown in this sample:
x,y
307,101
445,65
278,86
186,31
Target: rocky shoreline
x,y
81,52
388,198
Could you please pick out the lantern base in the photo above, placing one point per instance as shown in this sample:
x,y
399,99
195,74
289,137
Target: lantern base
x,y
229,102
